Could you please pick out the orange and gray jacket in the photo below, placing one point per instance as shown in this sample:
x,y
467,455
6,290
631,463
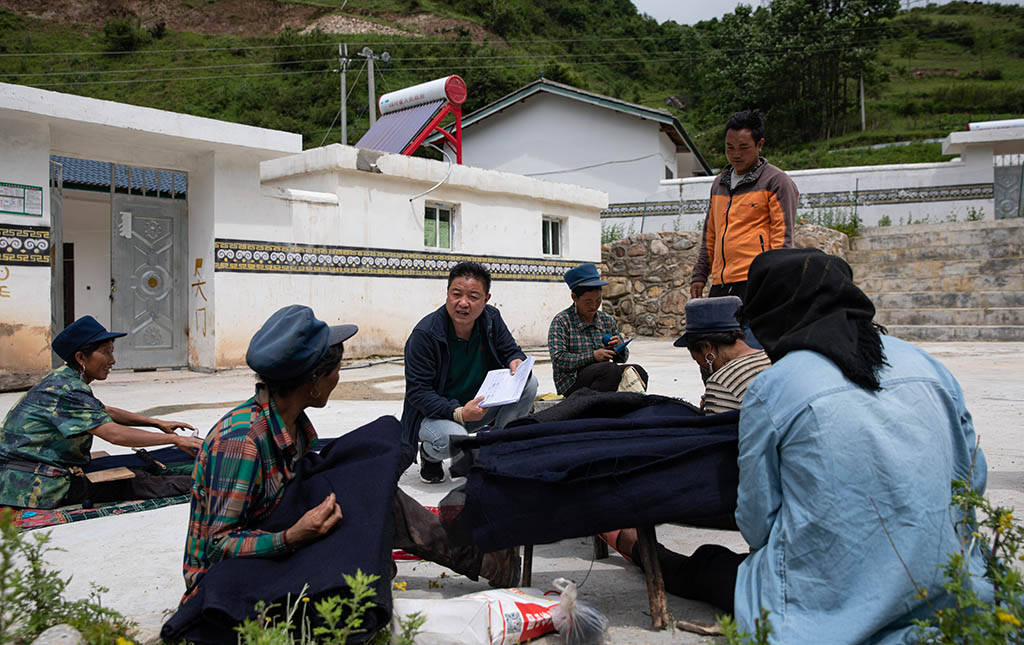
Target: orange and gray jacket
x,y
757,216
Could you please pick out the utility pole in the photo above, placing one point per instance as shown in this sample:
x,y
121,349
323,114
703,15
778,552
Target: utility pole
x,y
368,54
343,60
863,121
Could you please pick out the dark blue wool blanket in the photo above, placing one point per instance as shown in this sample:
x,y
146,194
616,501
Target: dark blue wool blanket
x,y
644,460
361,468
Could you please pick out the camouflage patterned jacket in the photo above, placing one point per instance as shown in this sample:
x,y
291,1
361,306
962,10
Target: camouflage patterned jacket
x,y
48,428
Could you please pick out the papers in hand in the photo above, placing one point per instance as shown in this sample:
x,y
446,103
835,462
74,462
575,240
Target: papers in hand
x,y
501,387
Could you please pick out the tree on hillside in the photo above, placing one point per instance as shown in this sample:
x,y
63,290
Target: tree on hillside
x,y
798,60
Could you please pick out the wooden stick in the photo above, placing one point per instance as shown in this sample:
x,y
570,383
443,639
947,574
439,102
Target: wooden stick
x,y
527,579
109,475
646,541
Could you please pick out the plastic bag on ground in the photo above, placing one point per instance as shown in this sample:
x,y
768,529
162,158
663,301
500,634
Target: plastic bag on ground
x,y
577,622
492,617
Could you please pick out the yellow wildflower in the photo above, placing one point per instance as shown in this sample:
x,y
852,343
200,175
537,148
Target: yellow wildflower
x,y
1005,617
305,599
1005,521
400,585
121,640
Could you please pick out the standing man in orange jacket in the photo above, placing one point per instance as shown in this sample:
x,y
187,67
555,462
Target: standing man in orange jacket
x,y
753,209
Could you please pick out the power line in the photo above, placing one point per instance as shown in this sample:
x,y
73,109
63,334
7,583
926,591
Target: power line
x,y
147,70
130,81
418,43
534,58
354,83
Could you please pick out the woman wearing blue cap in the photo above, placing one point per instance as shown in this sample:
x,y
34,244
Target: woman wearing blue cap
x,y
252,455
47,436
587,350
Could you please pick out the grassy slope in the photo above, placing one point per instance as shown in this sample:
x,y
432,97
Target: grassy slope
x,y
292,88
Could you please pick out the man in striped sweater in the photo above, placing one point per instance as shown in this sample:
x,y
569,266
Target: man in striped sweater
x,y
716,343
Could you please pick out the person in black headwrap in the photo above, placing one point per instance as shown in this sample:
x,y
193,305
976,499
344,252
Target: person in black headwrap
x,y
847,448
811,303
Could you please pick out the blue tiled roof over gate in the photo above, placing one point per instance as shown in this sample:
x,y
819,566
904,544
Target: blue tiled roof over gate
x,y
85,172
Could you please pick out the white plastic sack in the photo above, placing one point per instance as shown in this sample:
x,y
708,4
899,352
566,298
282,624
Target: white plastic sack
x,y
493,617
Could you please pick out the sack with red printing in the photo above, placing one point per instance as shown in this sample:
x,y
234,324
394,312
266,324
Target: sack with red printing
x,y
492,617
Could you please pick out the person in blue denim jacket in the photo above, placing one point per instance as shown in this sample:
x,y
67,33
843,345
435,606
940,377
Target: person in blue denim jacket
x,y
848,445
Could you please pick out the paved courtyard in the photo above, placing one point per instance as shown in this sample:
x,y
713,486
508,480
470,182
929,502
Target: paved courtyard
x,y
138,556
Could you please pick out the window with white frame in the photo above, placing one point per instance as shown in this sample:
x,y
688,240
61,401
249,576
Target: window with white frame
x,y
551,235
437,225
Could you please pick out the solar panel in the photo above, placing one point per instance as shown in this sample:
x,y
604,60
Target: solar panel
x,y
395,130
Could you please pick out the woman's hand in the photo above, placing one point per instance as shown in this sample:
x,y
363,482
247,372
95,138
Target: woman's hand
x,y
316,523
171,426
189,444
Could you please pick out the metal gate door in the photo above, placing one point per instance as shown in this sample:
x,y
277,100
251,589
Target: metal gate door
x,y
148,287
56,255
1009,187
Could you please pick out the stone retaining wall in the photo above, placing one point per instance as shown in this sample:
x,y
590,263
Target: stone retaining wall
x,y
649,276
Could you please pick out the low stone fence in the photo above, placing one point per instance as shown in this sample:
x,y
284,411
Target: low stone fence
x,y
649,276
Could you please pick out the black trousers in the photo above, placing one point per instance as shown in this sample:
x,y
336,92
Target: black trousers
x,y
603,377
420,532
708,575
142,486
738,289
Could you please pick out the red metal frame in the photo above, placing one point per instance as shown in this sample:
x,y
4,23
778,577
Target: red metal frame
x,y
435,124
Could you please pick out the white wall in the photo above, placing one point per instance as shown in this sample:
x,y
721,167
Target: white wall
x,y
901,192
552,133
320,197
86,217
24,290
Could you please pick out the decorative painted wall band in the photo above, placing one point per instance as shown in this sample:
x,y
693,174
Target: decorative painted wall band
x,y
24,245
834,199
248,256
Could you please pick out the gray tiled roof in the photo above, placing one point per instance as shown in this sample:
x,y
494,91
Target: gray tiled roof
x,y
85,172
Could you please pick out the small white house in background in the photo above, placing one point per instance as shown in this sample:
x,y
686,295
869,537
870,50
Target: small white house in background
x,y
562,133
368,237
985,182
134,248
166,226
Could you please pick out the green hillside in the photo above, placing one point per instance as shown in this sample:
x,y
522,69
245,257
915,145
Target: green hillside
x,y
927,71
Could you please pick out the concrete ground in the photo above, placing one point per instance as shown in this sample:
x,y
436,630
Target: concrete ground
x,y
138,556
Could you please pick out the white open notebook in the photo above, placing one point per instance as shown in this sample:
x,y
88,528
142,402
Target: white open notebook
x,y
501,387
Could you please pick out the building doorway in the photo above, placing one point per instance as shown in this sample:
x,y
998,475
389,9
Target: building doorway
x,y
126,230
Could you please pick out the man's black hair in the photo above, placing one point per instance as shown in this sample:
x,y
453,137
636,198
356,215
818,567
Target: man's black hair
x,y
718,339
471,270
751,120
330,361
579,291
87,350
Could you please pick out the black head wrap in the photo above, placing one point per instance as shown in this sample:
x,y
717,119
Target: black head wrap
x,y
806,299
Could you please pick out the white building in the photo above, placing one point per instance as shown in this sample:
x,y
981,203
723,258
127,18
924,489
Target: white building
x,y
171,236
562,133
985,182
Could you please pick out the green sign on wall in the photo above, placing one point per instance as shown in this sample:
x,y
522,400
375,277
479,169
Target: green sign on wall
x,y
20,199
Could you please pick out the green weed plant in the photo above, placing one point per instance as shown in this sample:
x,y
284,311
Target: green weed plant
x,y
32,596
968,619
339,619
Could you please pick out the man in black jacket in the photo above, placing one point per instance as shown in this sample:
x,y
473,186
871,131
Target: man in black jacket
x,y
447,356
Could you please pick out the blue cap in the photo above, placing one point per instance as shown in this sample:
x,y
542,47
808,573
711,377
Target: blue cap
x,y
710,316
584,275
292,342
84,331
